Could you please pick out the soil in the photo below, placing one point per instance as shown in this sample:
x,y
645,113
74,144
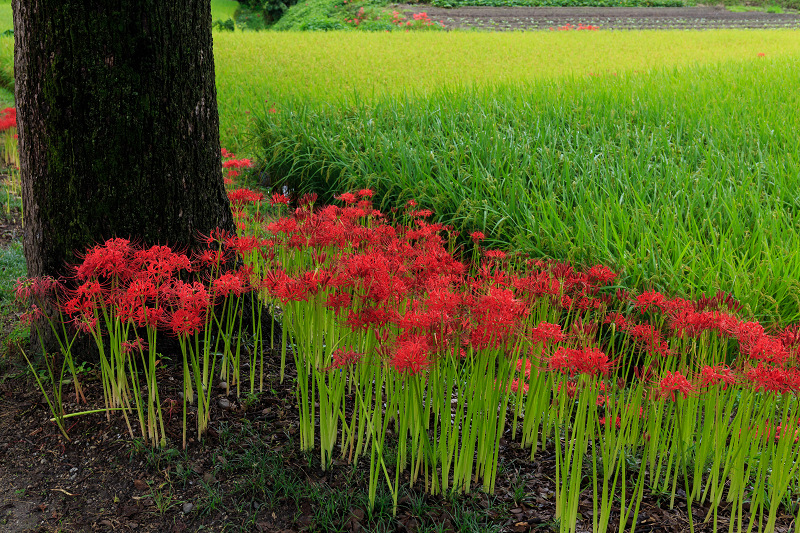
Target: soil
x,y
103,480
605,18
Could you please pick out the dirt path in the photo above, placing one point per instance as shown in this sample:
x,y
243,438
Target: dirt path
x,y
607,18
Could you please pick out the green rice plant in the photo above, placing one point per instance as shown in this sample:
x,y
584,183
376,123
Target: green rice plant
x,y
681,179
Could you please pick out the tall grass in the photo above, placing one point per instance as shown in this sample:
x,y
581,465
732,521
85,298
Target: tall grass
x,y
685,179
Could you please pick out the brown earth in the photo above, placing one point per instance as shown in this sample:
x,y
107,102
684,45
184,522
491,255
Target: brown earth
x,y
606,18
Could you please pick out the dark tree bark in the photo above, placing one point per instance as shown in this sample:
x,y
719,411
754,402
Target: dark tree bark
x,y
118,125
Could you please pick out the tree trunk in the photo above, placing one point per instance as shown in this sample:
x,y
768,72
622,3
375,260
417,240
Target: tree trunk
x,y
118,125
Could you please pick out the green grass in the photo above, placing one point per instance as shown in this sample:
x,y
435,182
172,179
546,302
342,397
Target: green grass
x,y
6,16
223,9
258,70
12,267
684,179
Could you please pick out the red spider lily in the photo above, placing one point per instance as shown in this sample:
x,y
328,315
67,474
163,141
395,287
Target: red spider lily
x,y
239,198
767,349
185,322
237,163
600,275
674,382
649,298
190,296
337,302
109,260
367,317
151,317
230,283
773,378
366,193
496,255
159,262
589,360
40,289
716,375
8,118
138,345
617,319
477,236
537,284
31,315
348,198
514,386
278,199
607,422
496,317
227,154
411,355
571,389
344,358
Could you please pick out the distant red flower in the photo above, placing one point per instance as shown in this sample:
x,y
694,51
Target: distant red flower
x,y
761,54
477,237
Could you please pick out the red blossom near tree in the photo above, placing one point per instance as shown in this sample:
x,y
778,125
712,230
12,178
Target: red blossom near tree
x,y
31,316
674,382
237,163
8,118
159,262
110,259
186,322
411,355
240,198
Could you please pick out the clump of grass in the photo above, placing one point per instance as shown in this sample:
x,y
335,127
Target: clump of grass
x,y
681,179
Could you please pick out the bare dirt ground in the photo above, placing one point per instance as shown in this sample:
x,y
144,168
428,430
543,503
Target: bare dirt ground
x,y
606,18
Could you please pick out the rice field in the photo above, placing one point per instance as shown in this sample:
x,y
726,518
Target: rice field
x,y
258,70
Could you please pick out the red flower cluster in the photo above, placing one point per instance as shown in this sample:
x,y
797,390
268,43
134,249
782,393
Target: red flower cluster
x,y
8,118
